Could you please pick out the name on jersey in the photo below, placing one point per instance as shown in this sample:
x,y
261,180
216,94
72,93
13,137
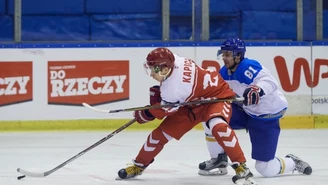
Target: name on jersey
x,y
187,71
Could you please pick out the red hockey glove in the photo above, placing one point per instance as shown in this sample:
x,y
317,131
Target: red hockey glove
x,y
252,95
155,95
143,116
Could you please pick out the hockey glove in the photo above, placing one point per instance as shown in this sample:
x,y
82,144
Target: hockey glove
x,y
252,95
155,95
143,116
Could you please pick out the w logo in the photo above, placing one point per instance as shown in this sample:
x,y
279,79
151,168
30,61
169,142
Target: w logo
x,y
312,80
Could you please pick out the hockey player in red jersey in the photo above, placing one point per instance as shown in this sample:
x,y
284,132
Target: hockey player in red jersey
x,y
181,80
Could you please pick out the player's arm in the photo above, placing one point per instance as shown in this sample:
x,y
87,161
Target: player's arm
x,y
163,99
266,81
161,113
260,82
144,116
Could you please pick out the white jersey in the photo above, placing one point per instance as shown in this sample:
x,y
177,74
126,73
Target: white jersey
x,y
250,72
188,82
179,86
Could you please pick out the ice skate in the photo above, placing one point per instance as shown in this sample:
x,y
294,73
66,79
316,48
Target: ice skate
x,y
131,171
243,175
214,166
301,166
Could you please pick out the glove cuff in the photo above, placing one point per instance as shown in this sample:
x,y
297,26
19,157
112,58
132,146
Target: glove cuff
x,y
148,114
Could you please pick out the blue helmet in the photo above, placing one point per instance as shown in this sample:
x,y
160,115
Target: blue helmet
x,y
236,45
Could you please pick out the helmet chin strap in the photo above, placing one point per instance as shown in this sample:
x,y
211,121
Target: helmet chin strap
x,y
164,76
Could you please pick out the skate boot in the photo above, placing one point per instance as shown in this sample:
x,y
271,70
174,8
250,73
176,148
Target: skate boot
x,y
131,171
301,166
214,166
243,175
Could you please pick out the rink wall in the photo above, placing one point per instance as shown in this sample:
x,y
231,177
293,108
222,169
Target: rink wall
x,y
42,86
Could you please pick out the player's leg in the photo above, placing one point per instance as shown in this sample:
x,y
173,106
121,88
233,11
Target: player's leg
x,y
218,116
153,145
238,118
264,137
174,126
217,164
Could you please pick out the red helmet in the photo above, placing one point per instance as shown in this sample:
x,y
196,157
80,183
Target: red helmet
x,y
161,57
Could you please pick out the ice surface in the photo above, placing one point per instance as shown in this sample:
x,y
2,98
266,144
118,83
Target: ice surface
x,y
176,164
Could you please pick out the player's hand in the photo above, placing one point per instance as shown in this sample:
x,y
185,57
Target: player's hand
x,y
252,95
143,116
154,95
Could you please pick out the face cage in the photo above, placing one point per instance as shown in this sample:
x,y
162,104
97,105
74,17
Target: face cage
x,y
223,52
219,55
151,69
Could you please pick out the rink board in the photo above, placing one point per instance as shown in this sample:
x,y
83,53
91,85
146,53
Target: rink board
x,y
42,86
288,122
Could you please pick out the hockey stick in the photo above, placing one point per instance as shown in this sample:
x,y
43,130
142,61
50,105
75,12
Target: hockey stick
x,y
44,174
166,105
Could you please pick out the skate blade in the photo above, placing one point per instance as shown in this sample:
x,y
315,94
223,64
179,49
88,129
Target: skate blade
x,y
214,172
248,181
119,178
127,179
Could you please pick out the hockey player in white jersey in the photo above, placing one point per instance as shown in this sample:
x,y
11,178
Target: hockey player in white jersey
x,y
181,80
260,112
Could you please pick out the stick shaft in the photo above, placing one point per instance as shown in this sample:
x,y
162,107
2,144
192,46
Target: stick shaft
x,y
44,174
166,105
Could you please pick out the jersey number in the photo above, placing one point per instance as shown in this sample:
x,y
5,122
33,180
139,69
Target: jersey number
x,y
209,81
250,72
